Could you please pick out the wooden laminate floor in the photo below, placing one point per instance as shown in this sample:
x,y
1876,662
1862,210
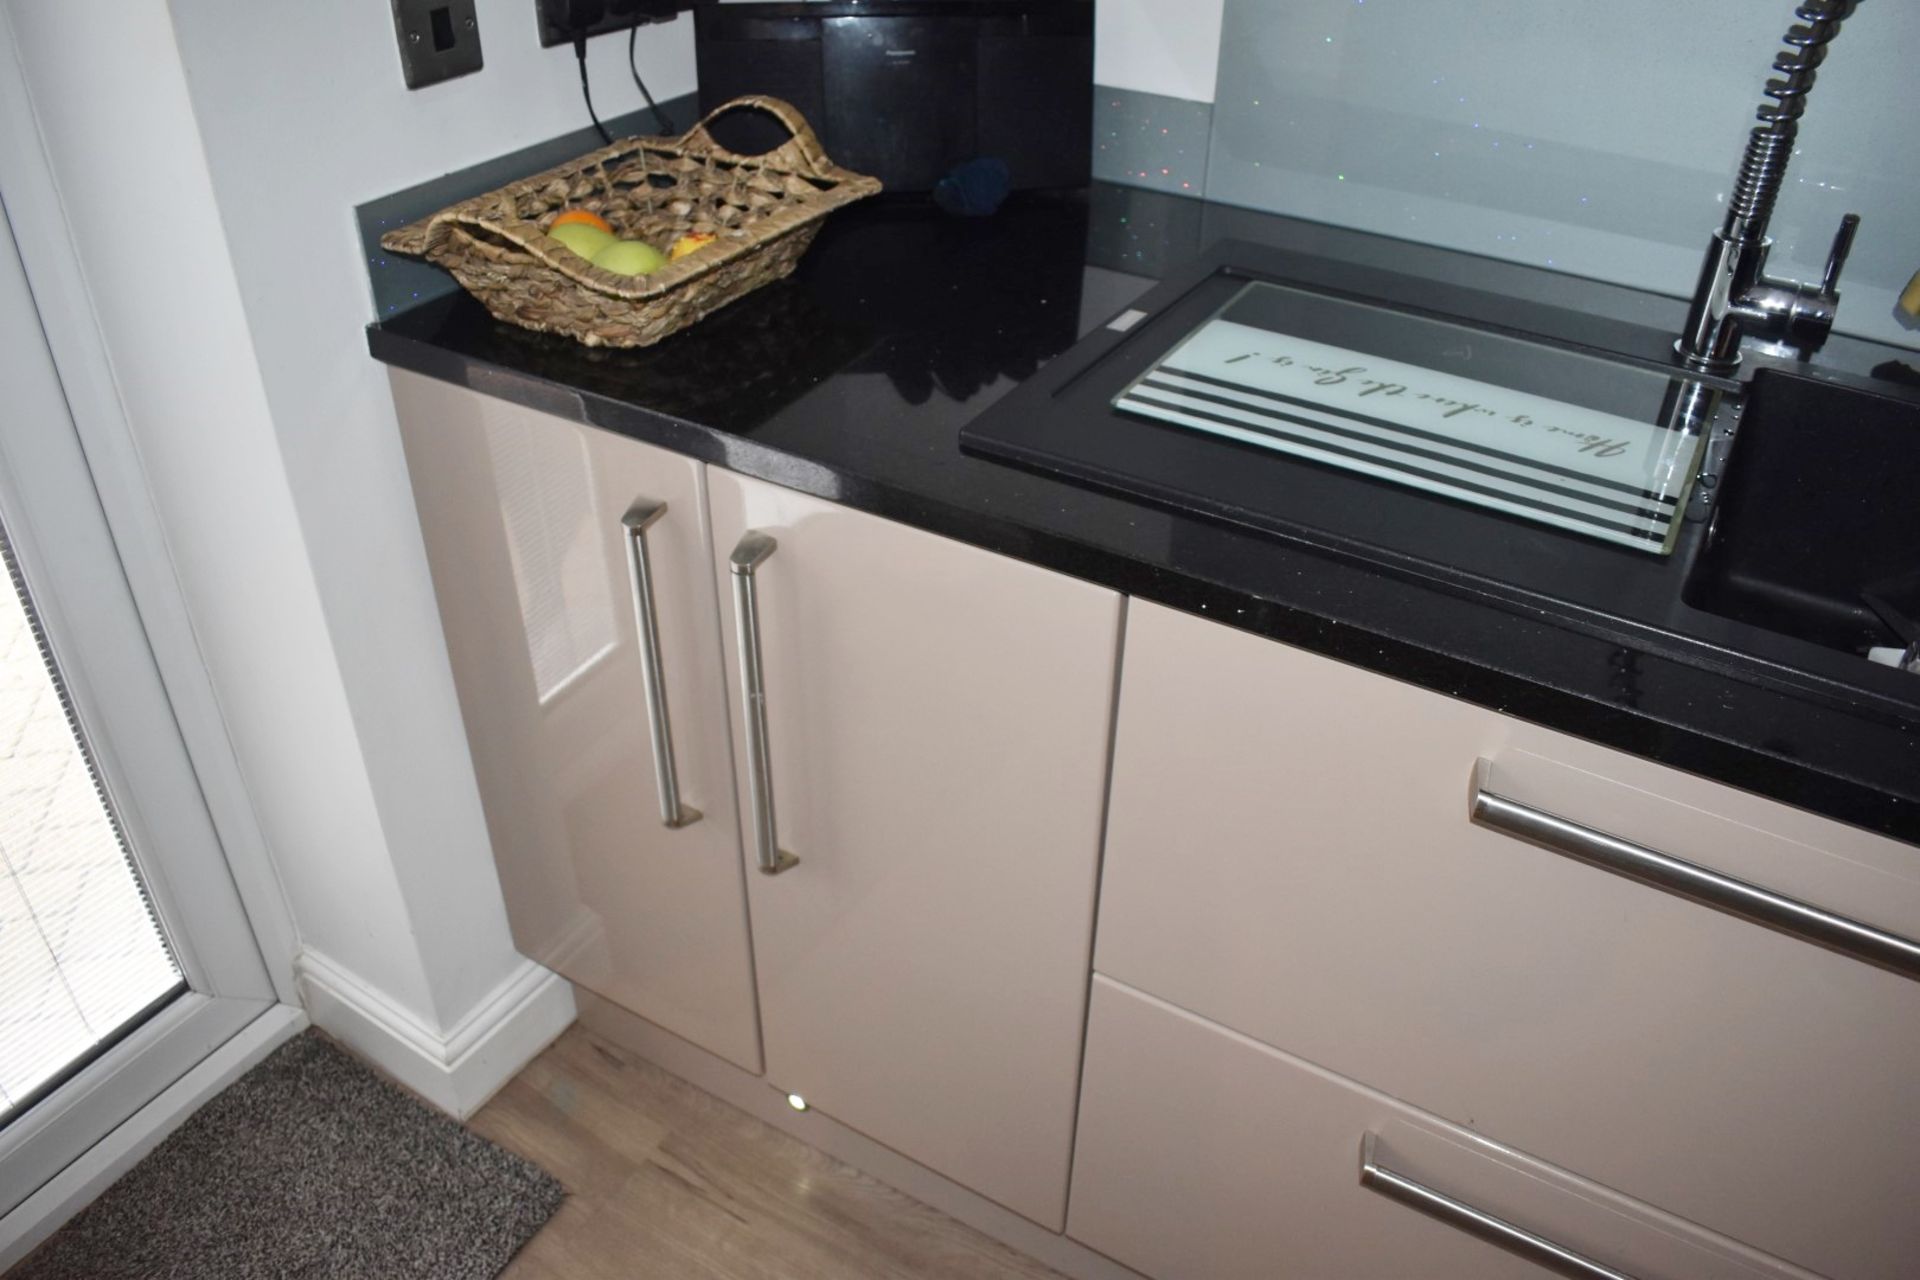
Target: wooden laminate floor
x,y
668,1181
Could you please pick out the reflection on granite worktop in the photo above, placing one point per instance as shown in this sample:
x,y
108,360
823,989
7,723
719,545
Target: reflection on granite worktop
x,y
739,366
941,307
1013,285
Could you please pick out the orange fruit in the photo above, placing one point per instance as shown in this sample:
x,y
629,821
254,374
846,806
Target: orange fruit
x,y
582,216
689,243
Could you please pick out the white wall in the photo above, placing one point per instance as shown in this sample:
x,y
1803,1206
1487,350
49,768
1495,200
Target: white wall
x,y
120,136
303,114
1168,47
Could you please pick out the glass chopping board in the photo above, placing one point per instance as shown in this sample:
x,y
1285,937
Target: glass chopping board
x,y
1547,435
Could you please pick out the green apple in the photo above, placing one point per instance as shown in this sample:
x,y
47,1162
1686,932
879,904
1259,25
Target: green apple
x,y
581,238
630,258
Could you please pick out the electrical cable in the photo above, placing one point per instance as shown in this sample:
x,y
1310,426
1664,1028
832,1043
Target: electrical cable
x,y
660,117
580,52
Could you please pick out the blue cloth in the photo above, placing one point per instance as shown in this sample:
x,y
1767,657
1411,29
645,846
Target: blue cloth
x,y
975,188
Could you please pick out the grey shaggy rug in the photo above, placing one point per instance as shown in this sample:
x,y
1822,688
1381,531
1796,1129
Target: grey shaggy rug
x,y
308,1166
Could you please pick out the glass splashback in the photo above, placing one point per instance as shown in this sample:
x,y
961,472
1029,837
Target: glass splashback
x,y
1539,432
1596,139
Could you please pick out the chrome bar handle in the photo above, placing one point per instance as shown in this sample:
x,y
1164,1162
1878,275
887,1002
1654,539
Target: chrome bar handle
x,y
1476,1222
643,515
748,555
1690,880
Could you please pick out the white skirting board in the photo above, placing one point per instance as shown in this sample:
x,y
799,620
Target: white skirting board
x,y
76,1186
759,1099
456,1070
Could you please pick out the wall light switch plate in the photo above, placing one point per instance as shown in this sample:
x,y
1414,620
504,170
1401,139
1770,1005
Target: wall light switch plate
x,y
439,39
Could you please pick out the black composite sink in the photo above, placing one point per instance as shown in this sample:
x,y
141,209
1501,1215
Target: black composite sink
x,y
1819,516
1778,549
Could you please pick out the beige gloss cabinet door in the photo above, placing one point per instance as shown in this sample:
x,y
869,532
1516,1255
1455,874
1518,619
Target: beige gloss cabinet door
x,y
1203,1155
1289,855
522,515
939,721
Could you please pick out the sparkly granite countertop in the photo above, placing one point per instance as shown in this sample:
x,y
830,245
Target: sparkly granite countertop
x,y
852,380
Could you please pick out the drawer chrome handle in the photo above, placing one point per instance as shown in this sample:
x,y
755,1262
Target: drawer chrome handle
x,y
748,555
1496,1231
639,518
1690,880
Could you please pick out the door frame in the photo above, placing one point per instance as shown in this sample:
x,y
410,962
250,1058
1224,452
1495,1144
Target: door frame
x,y
125,646
32,204
57,532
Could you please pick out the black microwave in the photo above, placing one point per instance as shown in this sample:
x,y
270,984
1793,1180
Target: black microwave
x,y
907,89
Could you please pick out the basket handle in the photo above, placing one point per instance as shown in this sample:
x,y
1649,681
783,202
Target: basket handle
x,y
697,141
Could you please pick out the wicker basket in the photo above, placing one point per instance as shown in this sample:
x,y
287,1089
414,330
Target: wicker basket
x,y
765,210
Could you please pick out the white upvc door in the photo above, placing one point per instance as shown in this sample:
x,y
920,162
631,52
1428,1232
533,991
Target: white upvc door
x,y
78,593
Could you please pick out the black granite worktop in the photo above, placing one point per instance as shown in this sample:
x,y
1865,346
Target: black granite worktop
x,y
851,381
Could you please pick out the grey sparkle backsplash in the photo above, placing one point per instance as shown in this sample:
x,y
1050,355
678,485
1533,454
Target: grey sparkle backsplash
x,y
1598,140
1149,140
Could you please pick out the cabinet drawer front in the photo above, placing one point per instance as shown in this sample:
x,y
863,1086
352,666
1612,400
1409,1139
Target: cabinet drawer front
x,y
1202,1153
522,516
937,730
1289,854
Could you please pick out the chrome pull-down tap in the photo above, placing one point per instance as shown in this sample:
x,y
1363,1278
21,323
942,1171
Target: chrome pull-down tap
x,y
1790,313
1735,298
1837,256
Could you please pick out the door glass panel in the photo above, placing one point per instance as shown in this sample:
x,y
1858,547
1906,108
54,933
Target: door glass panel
x,y
82,958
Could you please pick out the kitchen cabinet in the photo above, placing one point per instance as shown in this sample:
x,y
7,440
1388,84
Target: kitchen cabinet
x,y
898,751
1205,1155
936,742
527,521
1329,897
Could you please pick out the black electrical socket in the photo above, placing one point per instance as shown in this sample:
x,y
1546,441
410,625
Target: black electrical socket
x,y
564,21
